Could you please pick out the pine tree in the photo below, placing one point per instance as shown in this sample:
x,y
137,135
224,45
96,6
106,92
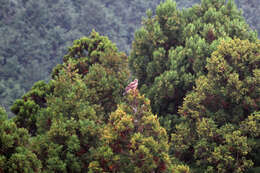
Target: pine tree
x,y
215,136
27,107
170,50
100,72
14,153
104,70
133,140
67,115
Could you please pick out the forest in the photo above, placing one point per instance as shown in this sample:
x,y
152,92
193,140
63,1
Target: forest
x,y
69,103
35,35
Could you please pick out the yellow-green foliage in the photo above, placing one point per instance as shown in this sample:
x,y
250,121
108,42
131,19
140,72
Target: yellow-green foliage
x,y
170,50
133,140
219,134
230,91
67,114
181,169
201,69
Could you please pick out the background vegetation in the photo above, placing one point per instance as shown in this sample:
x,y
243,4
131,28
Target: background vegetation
x,y
35,35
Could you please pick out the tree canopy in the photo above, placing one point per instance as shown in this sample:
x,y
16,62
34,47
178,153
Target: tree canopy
x,y
195,105
35,35
219,108
170,51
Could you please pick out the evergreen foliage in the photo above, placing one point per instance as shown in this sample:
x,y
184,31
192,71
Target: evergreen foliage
x,y
67,115
15,156
170,50
68,126
26,109
66,144
133,140
34,35
104,70
91,79
218,110
199,66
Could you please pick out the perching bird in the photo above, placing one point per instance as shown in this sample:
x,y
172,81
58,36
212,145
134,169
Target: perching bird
x,y
132,86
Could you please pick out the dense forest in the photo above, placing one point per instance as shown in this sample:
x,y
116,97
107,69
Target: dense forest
x,y
35,34
194,106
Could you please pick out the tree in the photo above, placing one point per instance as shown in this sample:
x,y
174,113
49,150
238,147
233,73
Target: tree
x,y
27,107
66,145
67,115
14,153
230,91
250,128
104,70
97,71
68,126
221,103
170,50
35,35
133,140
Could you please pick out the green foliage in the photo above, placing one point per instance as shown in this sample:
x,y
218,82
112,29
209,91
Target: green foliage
x,y
103,69
68,127
212,148
230,91
34,35
198,66
133,140
181,169
251,128
69,99
66,146
170,50
26,108
67,115
89,83
14,153
213,111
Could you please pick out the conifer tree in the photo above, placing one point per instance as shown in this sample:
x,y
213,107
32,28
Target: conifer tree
x,y
133,140
217,135
15,155
27,107
104,70
66,146
99,71
67,115
68,126
170,50
250,127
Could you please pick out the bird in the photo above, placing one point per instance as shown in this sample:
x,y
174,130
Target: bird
x,y
132,86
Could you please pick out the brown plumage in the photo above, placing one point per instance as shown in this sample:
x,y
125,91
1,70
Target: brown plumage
x,y
132,86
